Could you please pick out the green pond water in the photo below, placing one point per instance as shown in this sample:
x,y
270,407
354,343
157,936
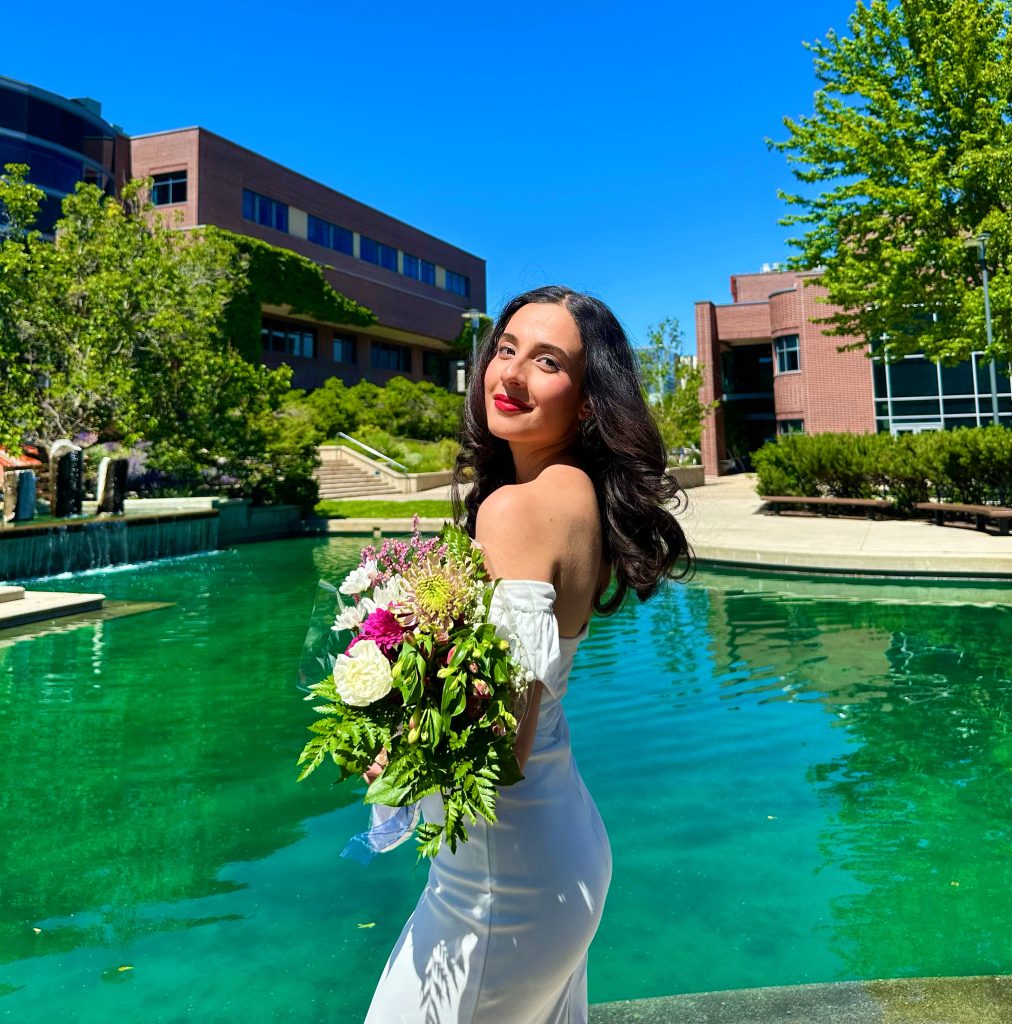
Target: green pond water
x,y
802,780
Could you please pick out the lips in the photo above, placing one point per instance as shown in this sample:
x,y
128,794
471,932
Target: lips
x,y
504,403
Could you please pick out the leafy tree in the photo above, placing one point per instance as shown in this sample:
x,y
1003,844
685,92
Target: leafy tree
x,y
911,144
671,383
123,319
20,377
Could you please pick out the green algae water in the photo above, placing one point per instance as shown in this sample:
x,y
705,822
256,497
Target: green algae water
x,y
802,781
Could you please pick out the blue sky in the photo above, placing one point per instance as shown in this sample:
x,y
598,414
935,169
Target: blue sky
x,y
617,148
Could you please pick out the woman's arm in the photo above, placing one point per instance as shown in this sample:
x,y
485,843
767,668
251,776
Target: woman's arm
x,y
528,725
514,533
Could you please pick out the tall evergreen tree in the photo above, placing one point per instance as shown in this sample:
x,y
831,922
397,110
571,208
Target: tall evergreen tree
x,y
907,155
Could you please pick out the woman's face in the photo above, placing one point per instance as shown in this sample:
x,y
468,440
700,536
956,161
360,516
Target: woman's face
x,y
534,383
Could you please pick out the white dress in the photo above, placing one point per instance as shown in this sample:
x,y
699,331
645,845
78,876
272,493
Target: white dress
x,y
500,933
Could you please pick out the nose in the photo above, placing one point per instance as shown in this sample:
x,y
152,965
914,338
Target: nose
x,y
514,373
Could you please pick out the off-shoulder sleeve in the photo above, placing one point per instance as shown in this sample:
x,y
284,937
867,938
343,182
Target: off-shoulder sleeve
x,y
523,611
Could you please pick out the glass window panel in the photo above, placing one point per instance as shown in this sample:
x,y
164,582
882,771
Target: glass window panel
x,y
958,379
341,239
911,378
280,217
318,231
248,204
387,257
278,340
926,409
369,250
428,272
958,405
878,377
14,110
411,266
345,349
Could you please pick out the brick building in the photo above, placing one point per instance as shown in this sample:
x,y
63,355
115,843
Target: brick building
x,y
774,371
417,285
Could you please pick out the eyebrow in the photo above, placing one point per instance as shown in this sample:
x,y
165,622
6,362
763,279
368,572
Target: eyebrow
x,y
540,346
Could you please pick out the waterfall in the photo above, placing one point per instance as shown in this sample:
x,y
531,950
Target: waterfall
x,y
49,549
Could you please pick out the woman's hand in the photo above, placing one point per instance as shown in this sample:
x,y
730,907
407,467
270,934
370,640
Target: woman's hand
x,y
375,770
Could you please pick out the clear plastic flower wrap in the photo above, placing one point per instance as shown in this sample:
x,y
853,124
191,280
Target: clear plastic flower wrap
x,y
426,681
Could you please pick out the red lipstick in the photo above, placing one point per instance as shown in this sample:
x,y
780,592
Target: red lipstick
x,y
504,403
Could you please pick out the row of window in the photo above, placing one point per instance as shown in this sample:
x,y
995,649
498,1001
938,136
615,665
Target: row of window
x,y
273,214
171,188
286,339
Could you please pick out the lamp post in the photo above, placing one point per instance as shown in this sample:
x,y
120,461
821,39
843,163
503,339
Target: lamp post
x,y
474,315
979,242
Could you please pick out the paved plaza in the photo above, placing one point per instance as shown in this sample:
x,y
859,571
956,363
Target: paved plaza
x,y
725,523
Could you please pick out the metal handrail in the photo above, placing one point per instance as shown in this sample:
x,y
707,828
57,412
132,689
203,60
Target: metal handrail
x,y
372,451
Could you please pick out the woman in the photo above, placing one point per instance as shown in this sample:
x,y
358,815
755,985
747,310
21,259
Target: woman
x,y
567,493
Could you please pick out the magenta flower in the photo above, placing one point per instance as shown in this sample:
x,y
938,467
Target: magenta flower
x,y
381,627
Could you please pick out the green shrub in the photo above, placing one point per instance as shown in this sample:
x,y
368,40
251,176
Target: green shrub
x,y
416,409
972,465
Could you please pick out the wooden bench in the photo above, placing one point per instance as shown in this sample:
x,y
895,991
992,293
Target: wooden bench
x,y
981,513
870,506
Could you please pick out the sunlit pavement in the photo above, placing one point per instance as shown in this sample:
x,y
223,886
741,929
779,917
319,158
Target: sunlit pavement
x,y
725,524
981,1000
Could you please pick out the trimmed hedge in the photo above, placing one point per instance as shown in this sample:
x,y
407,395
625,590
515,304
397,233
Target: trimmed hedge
x,y
971,464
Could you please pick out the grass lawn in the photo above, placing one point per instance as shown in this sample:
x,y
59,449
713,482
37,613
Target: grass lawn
x,y
367,508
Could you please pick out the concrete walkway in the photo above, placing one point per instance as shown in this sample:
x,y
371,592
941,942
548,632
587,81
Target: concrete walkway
x,y
981,1000
725,524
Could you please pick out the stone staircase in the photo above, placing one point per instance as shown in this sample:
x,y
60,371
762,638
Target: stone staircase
x,y
18,607
344,480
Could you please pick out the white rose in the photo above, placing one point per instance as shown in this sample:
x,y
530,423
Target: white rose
x,y
350,617
362,676
359,579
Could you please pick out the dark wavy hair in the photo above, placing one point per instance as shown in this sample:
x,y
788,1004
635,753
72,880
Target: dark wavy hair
x,y
619,447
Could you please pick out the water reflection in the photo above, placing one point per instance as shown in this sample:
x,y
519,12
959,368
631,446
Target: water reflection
x,y
917,800
140,756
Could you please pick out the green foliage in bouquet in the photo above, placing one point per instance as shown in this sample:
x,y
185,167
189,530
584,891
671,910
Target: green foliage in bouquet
x,y
448,720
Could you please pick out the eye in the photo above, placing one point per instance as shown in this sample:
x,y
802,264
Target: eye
x,y
550,363
504,349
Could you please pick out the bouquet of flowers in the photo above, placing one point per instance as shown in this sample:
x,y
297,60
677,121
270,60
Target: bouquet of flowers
x,y
425,678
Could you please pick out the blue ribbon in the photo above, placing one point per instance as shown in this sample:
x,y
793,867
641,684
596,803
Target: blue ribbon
x,y
391,826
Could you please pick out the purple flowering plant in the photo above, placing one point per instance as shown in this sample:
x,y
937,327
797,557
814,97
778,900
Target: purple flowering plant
x,y
425,678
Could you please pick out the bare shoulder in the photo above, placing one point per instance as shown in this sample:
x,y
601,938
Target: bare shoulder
x,y
568,487
527,529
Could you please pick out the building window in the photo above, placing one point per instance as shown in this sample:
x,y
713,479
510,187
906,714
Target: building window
x,y
435,364
168,188
391,357
288,340
786,349
345,349
427,272
376,252
411,266
332,236
790,426
458,284
264,210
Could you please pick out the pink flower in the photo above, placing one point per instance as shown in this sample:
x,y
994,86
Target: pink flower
x,y
381,627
